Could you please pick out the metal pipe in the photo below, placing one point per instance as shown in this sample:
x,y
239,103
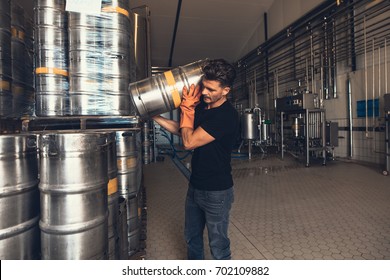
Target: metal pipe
x,y
365,72
175,32
386,67
350,120
334,60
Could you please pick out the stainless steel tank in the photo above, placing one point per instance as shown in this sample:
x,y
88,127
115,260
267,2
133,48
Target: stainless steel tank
x,y
249,126
141,51
162,93
51,58
128,162
19,197
73,191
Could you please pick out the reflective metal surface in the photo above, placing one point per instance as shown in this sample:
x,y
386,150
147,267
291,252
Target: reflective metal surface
x,y
99,62
122,229
5,53
249,123
128,162
162,93
5,17
113,196
19,197
52,59
133,224
5,96
73,191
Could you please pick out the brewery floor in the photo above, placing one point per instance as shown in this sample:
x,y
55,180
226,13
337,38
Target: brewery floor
x,y
282,211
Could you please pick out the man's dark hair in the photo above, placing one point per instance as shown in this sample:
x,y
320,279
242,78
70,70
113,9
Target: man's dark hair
x,y
219,70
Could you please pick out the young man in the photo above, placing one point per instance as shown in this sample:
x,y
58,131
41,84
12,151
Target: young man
x,y
209,126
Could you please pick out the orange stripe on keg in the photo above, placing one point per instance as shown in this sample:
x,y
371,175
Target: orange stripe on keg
x,y
174,92
112,186
119,10
4,85
17,33
50,70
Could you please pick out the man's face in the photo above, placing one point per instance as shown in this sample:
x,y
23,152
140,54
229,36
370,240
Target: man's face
x,y
213,94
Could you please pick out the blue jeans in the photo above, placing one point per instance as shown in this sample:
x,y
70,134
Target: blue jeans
x,y
211,209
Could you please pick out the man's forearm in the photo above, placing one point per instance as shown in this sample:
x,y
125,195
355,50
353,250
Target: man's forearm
x,y
170,125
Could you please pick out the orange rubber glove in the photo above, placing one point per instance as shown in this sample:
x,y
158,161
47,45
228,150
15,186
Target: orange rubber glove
x,y
190,98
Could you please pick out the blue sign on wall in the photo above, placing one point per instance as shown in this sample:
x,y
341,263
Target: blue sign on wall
x,y
361,108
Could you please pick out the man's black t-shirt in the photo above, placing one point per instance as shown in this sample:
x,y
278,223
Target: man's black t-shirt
x,y
211,169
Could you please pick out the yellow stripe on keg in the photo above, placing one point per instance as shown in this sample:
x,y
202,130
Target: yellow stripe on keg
x,y
112,186
17,33
4,85
50,70
119,10
174,92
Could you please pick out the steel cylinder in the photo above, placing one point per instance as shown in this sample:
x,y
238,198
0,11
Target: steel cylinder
x,y
6,97
51,60
128,162
162,93
99,61
5,15
133,224
5,53
73,191
113,196
122,226
249,126
19,197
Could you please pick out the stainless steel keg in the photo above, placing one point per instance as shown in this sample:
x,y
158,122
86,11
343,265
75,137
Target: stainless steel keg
x,y
50,16
19,197
5,53
55,4
113,196
5,14
122,228
133,224
73,191
99,62
128,162
6,98
162,93
51,60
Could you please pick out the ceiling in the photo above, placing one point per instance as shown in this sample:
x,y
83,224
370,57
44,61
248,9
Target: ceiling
x,y
205,28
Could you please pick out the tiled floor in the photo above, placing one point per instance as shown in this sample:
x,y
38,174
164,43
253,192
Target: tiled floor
x,y
282,210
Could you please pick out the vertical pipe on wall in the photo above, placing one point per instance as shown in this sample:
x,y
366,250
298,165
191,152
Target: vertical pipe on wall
x,y
350,120
313,89
386,67
352,36
365,71
334,66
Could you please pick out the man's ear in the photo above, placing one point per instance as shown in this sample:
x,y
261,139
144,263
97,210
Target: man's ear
x,y
225,91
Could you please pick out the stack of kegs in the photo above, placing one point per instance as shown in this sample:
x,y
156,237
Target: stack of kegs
x,y
51,65
19,197
129,163
29,63
73,190
99,60
5,60
23,95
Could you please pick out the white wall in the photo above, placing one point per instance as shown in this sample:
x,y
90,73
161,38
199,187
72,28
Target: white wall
x,y
281,14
